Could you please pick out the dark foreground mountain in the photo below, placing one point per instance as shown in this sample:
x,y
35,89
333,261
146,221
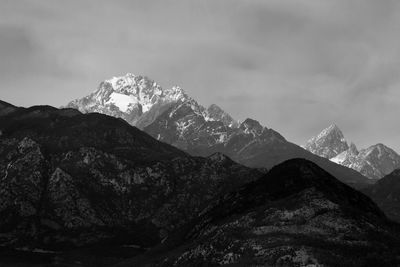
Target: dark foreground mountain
x,y
296,215
386,193
69,179
374,162
171,116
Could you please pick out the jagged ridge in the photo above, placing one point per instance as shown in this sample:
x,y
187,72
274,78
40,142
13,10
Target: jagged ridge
x,y
374,162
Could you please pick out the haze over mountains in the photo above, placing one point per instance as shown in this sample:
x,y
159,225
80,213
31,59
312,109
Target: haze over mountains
x,y
374,162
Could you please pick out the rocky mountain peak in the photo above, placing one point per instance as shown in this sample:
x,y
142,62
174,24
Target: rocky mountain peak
x,y
353,149
250,125
329,143
130,97
373,162
215,113
130,90
333,129
379,152
378,149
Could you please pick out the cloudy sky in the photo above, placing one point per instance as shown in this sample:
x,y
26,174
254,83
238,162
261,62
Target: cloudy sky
x,y
295,65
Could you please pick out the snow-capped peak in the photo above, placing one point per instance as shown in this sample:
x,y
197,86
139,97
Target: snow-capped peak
x,y
374,162
333,129
329,143
129,97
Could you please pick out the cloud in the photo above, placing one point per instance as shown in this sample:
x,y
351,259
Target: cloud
x,y
21,57
294,65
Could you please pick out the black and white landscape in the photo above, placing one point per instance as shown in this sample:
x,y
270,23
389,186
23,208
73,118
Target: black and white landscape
x,y
185,133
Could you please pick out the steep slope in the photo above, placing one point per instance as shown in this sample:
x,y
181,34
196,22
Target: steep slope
x,y
185,124
70,179
383,158
136,99
329,143
215,113
250,144
6,108
296,215
386,193
373,162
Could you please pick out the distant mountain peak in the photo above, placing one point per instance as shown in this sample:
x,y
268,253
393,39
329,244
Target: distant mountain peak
x,y
129,97
214,107
251,126
141,90
374,162
332,129
329,143
215,113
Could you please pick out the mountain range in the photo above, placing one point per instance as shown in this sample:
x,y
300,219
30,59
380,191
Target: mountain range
x,y
373,162
173,117
138,175
72,181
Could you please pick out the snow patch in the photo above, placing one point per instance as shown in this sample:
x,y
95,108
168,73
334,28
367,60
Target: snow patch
x,y
123,102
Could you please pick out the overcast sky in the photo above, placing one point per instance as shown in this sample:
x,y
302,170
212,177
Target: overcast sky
x,y
295,65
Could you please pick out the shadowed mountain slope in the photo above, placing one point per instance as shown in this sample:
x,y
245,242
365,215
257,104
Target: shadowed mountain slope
x,y
70,179
171,116
386,193
296,215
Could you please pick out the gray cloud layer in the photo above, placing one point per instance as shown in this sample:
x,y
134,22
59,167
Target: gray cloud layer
x,y
295,65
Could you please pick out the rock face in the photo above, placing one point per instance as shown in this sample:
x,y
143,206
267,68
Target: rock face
x,y
296,215
70,179
187,125
373,162
183,126
386,193
215,113
250,144
136,99
329,143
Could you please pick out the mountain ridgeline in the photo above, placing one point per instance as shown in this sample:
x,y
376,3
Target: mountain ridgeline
x,y
70,179
296,215
173,117
374,162
149,171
